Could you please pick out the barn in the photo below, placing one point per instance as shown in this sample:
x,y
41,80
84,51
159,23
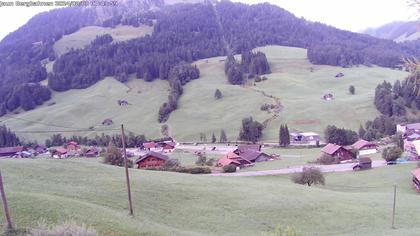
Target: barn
x,y
254,156
151,159
149,145
72,146
233,158
338,152
310,138
364,147
168,146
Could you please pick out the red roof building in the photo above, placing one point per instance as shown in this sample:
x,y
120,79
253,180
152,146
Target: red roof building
x,y
233,158
72,146
337,151
151,159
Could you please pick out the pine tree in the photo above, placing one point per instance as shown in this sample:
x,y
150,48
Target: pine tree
x,y
286,135
223,138
362,132
213,138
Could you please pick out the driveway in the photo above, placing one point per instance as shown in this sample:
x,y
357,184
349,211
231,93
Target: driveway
x,y
324,168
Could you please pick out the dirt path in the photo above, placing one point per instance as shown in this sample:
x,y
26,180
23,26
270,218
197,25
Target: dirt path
x,y
324,168
278,107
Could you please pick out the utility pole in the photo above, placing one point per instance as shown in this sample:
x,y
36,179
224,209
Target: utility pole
x,y
393,208
5,206
130,204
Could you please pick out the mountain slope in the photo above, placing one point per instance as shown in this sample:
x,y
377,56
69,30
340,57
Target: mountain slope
x,y
300,92
397,31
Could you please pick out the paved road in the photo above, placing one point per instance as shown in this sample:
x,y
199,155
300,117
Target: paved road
x,y
324,168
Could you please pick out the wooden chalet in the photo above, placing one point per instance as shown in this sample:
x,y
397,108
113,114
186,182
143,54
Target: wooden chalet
x,y
40,149
151,159
72,146
11,151
92,152
364,147
416,179
408,128
149,145
60,152
244,147
337,151
233,158
168,146
364,164
254,156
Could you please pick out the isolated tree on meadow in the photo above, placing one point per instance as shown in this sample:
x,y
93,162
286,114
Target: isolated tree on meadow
x,y
309,176
352,90
218,94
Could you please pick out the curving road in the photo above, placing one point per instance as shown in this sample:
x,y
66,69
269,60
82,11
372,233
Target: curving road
x,y
324,168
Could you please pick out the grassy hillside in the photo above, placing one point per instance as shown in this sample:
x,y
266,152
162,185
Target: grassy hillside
x,y
298,89
89,107
86,35
179,204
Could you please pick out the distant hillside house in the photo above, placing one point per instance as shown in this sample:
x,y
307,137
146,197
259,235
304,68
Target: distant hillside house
x,y
11,151
328,97
60,152
309,138
151,159
338,152
107,122
364,147
339,75
416,178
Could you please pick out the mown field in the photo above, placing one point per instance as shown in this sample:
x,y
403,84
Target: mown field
x,y
86,191
299,90
86,35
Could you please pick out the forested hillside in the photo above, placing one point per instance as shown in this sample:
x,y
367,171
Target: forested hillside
x,y
182,33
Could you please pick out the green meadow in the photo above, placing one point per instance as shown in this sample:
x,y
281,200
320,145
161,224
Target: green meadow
x,y
86,191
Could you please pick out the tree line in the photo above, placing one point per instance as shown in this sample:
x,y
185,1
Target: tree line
x,y
8,138
103,140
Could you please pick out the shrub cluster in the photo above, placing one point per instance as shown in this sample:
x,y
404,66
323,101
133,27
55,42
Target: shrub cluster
x,y
229,168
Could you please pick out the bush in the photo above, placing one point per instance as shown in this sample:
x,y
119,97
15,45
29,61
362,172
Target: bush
x,y
266,107
309,176
198,170
210,162
257,79
326,159
229,168
391,154
170,164
113,156
64,229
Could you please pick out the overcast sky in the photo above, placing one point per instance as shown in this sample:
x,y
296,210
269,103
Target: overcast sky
x,y
353,15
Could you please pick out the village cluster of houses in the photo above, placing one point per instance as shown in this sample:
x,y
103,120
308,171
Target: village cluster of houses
x,y
345,153
70,149
411,136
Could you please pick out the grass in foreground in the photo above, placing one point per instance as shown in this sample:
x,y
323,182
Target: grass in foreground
x,y
85,191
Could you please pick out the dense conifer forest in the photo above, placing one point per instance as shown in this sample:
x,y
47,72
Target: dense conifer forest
x,y
182,33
